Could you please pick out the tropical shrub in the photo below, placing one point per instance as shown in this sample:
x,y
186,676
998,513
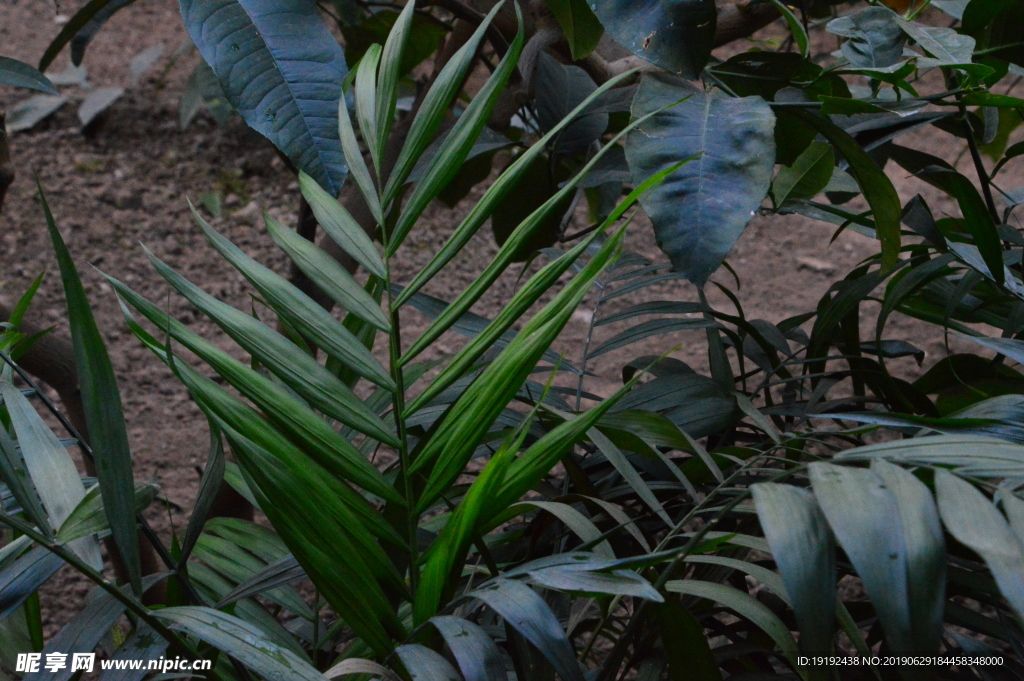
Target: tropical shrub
x,y
473,518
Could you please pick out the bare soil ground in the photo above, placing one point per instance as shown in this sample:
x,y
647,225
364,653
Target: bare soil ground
x,y
124,182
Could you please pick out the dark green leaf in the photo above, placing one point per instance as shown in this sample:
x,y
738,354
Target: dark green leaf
x,y
866,520
281,69
20,74
874,39
23,577
528,614
244,642
676,35
804,550
560,89
977,524
581,28
423,664
478,657
808,175
702,208
104,415
877,188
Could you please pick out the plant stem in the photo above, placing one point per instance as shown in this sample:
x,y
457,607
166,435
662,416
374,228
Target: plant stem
x,y
979,167
398,407
139,610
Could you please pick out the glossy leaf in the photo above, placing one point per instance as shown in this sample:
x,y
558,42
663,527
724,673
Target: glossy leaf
x,y
281,69
701,209
808,175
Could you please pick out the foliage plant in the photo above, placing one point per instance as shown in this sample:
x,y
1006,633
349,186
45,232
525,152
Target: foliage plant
x,y
487,514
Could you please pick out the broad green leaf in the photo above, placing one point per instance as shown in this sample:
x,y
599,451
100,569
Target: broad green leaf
x,y
104,416
478,657
423,664
281,69
242,641
51,468
877,188
865,518
308,318
677,36
926,553
560,89
701,209
321,443
341,226
96,102
745,605
808,175
945,45
581,28
324,271
20,74
874,39
978,525
90,516
297,369
804,550
528,614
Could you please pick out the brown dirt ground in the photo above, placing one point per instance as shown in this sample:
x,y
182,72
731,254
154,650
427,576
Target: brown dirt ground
x,y
125,183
